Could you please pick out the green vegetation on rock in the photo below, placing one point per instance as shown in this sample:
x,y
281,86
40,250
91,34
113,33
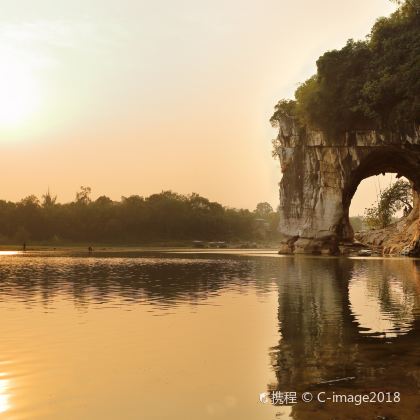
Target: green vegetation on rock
x,y
372,84
396,197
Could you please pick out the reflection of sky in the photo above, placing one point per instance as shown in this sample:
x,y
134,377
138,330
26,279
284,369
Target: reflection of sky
x,y
4,395
64,317
391,318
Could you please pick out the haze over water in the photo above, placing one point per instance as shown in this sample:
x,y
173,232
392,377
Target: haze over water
x,y
169,335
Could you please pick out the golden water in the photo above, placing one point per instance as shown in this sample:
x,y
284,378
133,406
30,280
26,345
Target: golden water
x,y
153,335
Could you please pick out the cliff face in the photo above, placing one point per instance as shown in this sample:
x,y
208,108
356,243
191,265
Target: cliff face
x,y
321,175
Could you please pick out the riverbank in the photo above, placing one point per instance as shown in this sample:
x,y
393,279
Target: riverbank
x,y
181,245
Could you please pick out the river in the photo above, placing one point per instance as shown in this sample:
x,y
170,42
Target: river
x,y
207,335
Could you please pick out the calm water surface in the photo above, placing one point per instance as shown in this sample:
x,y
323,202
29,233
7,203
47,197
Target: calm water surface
x,y
153,335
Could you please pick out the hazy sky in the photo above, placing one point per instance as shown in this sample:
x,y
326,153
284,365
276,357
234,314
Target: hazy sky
x,y
135,97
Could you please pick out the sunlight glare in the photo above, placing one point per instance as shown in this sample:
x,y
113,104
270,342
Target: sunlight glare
x,y
19,90
4,396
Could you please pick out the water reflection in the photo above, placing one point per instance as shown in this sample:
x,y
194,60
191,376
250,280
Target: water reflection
x,y
384,308
151,278
351,326
10,253
4,394
191,327
148,336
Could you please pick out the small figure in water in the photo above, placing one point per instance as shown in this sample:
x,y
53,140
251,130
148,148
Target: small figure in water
x,y
90,250
406,211
24,246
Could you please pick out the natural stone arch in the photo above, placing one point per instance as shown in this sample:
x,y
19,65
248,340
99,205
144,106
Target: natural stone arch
x,y
321,175
381,160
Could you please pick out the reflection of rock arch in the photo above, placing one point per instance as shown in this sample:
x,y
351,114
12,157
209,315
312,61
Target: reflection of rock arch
x,y
322,341
385,308
316,324
320,177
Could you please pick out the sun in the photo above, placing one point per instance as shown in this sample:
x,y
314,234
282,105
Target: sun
x,y
19,90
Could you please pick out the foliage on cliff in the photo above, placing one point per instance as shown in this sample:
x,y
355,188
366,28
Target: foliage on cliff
x,y
371,84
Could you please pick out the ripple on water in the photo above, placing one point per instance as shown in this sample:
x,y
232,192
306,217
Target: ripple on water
x,y
107,336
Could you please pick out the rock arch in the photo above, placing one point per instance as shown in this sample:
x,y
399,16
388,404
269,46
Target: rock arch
x,y
321,175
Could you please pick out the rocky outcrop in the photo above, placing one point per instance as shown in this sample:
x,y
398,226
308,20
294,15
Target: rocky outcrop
x,y
321,175
400,238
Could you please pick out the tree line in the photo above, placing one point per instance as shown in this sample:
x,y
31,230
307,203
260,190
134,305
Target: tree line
x,y
166,216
